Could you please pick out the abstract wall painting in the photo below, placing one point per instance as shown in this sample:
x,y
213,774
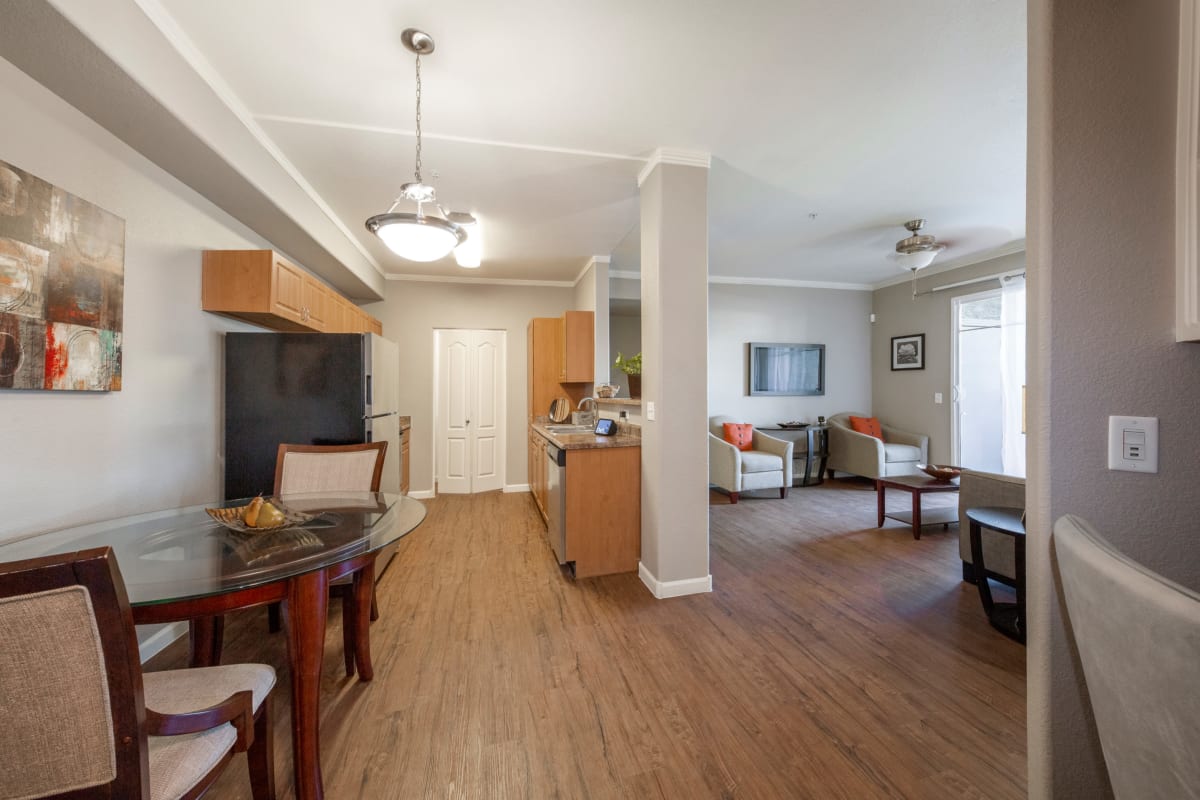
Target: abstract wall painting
x,y
62,285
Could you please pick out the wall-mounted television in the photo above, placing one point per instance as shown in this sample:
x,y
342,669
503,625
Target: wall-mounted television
x,y
781,368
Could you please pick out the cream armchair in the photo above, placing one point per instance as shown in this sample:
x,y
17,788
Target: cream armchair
x,y
860,454
980,490
767,466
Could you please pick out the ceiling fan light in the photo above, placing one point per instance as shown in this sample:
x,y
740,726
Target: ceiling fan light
x,y
916,260
416,237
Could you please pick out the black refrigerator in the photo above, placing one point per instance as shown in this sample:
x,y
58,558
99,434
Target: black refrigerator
x,y
306,388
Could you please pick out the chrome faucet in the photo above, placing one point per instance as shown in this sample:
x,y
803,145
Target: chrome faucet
x,y
591,414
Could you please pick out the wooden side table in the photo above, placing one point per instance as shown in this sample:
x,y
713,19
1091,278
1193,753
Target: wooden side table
x,y
1008,618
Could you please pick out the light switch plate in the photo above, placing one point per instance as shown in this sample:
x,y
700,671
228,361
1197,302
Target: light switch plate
x,y
1133,444
650,410
937,397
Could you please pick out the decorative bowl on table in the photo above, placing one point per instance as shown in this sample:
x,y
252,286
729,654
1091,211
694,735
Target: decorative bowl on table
x,y
792,424
232,518
941,472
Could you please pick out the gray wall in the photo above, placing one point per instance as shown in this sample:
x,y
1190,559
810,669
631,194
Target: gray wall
x,y
836,318
411,311
1101,255
73,457
905,399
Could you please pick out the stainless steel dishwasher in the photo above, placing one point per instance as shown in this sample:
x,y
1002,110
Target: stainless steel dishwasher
x,y
556,501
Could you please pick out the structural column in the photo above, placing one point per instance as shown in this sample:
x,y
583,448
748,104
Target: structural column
x,y
674,267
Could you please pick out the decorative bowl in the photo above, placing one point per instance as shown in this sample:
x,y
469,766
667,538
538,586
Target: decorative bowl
x,y
607,389
792,424
232,518
941,472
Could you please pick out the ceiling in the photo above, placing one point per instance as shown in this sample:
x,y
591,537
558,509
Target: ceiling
x,y
538,115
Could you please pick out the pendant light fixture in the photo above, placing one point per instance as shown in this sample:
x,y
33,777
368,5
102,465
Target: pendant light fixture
x,y
419,236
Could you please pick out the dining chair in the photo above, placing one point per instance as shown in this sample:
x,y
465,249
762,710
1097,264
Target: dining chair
x,y
300,469
1138,636
81,720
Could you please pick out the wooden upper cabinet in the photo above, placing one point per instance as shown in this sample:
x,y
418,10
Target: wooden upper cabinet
x,y
578,348
263,287
318,303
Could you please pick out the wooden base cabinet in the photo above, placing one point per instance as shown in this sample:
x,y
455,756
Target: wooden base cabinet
x,y
604,510
538,475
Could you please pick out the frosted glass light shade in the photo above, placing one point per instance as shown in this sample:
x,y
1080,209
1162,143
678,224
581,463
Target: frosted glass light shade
x,y
416,237
918,260
470,253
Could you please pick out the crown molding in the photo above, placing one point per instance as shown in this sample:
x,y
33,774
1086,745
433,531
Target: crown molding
x,y
1013,247
178,39
590,263
671,155
396,276
733,280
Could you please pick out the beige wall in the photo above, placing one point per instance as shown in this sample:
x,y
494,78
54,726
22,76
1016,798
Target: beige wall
x,y
1101,257
674,296
906,399
71,457
412,310
832,317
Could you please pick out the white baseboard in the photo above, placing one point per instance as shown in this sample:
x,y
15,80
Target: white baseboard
x,y
513,488
664,589
159,641
424,494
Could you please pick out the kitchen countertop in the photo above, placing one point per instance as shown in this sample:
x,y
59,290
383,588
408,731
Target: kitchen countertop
x,y
585,441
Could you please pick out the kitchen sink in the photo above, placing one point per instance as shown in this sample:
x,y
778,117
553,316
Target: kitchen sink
x,y
559,428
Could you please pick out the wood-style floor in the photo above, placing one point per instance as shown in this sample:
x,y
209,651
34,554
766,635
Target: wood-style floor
x,y
832,660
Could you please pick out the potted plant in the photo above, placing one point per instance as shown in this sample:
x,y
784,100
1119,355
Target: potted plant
x,y
632,367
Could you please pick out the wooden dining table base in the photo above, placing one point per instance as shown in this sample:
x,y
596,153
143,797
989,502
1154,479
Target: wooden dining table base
x,y
305,603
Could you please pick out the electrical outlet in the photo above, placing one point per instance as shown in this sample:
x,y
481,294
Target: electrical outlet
x,y
937,398
650,410
1133,444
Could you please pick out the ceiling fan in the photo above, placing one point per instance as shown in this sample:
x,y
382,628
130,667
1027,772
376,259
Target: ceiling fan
x,y
917,251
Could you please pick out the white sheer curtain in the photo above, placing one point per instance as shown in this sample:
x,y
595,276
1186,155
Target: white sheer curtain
x,y
1012,374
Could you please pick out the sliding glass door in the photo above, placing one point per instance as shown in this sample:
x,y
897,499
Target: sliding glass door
x,y
989,378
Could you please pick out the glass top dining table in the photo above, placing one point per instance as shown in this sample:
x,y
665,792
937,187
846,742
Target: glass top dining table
x,y
181,564
183,553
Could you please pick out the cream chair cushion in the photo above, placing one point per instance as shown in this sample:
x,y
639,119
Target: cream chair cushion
x,y
177,763
327,472
895,453
753,461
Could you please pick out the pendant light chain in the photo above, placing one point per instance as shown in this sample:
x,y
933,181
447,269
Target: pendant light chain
x,y
418,172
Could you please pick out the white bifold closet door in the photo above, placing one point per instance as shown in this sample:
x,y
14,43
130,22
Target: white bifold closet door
x,y
469,428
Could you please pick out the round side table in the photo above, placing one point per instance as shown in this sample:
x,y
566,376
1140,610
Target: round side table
x,y
1008,618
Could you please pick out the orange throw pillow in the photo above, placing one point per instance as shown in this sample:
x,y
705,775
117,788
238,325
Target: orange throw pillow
x,y
868,425
739,434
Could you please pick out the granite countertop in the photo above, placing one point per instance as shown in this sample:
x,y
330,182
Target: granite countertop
x,y
585,441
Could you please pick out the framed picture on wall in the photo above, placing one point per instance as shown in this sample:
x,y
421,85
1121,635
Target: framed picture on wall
x,y
908,352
